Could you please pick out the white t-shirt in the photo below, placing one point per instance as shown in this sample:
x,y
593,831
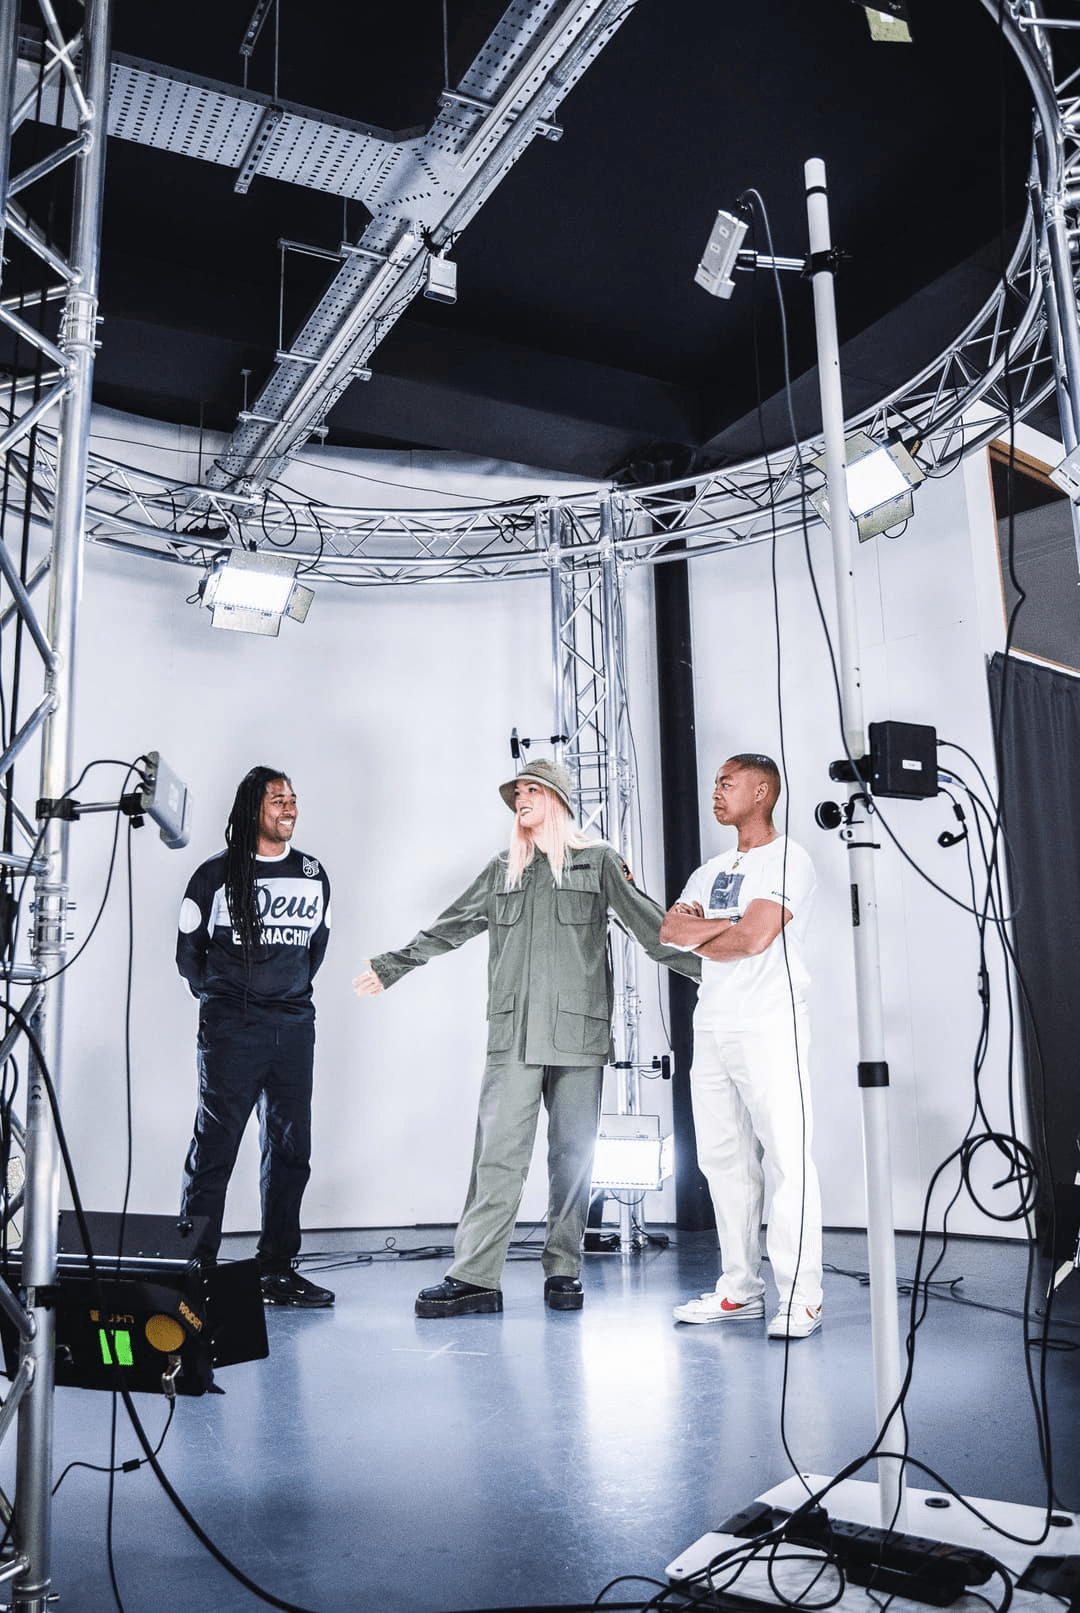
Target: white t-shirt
x,y
725,886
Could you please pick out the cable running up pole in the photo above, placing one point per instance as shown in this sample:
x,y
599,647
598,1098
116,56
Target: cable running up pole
x,y
873,1070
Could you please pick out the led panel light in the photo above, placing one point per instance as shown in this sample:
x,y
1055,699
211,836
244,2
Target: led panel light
x,y
879,483
630,1153
249,591
874,479
887,28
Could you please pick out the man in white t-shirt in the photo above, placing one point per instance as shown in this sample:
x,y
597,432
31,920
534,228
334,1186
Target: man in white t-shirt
x,y
745,913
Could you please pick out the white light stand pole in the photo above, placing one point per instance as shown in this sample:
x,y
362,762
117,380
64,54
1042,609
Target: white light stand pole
x,y
873,1070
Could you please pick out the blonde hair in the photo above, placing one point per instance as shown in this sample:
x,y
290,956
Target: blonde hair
x,y
563,835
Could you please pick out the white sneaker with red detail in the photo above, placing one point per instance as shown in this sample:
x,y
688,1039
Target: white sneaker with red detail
x,y
797,1323
714,1307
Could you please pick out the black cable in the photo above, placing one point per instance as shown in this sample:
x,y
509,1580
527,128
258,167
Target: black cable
x,y
110,1510
129,1466
802,1075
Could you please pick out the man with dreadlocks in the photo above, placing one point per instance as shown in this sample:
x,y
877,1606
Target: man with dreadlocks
x,y
253,930
544,905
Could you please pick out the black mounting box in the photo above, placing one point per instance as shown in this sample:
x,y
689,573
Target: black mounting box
x,y
903,760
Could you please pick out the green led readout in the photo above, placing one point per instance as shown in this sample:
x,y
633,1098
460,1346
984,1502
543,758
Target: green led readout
x,y
121,1338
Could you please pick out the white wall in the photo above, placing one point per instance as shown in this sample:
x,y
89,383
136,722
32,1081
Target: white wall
x,y
392,711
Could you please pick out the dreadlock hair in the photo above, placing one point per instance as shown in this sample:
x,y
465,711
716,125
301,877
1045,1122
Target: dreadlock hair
x,y
241,839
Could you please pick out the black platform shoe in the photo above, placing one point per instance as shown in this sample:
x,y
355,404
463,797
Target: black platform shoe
x,y
563,1294
454,1298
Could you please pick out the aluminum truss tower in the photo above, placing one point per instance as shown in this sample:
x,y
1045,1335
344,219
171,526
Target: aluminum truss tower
x,y
591,713
49,376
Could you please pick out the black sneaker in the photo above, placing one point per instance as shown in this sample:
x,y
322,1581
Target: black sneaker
x,y
289,1288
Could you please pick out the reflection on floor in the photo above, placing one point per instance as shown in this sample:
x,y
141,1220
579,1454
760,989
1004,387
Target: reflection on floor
x,y
393,1465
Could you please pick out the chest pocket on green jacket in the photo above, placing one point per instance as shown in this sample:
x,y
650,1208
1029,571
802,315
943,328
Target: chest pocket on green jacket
x,y
508,906
577,901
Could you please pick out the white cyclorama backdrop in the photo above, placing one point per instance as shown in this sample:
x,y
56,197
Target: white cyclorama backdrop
x,y
391,709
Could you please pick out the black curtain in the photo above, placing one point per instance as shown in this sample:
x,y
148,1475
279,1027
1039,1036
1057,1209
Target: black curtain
x,y
682,854
1037,714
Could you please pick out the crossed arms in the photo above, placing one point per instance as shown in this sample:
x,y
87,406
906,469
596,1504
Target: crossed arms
x,y
724,940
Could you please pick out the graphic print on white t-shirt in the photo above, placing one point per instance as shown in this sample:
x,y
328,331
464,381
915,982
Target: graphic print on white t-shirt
x,y
724,896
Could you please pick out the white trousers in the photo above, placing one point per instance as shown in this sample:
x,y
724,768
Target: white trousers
x,y
750,1088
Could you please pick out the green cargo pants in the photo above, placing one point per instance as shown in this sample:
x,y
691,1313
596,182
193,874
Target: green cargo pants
x,y
510,1096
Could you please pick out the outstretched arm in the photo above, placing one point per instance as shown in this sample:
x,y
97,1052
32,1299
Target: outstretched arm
x,y
461,920
368,983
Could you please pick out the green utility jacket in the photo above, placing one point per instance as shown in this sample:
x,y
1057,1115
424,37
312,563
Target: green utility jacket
x,y
550,992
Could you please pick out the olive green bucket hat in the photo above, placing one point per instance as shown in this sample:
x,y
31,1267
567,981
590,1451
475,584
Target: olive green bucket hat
x,y
542,771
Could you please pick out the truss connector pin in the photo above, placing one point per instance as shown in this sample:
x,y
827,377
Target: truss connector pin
x,y
80,322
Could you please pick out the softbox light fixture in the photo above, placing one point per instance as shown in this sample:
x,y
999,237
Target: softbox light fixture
x,y
249,591
880,478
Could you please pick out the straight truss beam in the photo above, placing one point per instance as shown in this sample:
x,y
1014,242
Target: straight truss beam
x,y
55,492
591,714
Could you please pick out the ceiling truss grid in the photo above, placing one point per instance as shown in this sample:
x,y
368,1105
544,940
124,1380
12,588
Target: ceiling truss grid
x,y
958,401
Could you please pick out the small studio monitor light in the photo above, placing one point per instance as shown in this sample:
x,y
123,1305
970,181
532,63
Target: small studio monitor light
x,y
440,279
721,254
164,798
879,483
249,591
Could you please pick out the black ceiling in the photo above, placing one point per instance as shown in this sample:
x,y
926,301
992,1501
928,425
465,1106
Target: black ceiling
x,y
579,341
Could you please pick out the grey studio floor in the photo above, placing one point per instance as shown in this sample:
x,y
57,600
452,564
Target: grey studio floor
x,y
384,1463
